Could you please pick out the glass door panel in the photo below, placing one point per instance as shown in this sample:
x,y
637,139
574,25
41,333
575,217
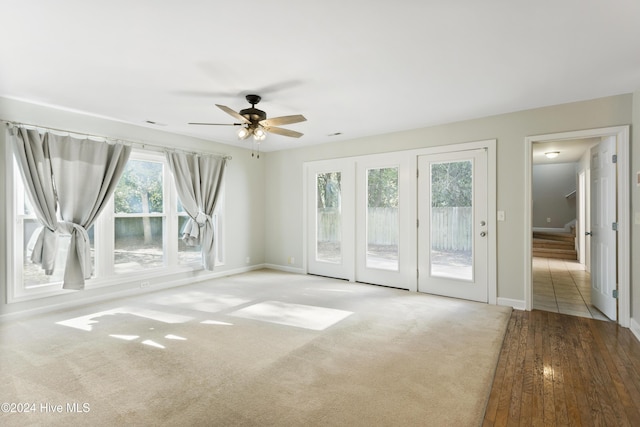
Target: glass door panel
x,y
329,217
382,220
451,219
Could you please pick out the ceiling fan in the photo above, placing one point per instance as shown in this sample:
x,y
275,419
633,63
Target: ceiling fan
x,y
254,121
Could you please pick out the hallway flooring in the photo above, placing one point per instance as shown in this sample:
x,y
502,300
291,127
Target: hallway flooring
x,y
563,286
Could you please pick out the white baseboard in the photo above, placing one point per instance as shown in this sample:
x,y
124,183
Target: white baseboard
x,y
517,304
285,268
635,328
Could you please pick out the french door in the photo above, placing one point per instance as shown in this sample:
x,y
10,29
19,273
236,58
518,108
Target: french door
x,y
453,224
362,217
358,220
330,218
384,220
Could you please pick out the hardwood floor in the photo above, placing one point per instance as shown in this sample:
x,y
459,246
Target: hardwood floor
x,y
558,370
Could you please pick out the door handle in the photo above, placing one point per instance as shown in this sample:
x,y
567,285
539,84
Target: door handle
x,y
587,233
483,233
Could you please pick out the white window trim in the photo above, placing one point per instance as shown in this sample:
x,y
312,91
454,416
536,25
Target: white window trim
x,y
105,275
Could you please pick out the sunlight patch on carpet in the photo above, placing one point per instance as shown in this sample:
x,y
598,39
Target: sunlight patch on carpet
x,y
125,337
298,315
201,301
216,322
175,337
152,343
86,323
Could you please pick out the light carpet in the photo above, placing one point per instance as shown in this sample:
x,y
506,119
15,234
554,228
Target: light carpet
x,y
264,348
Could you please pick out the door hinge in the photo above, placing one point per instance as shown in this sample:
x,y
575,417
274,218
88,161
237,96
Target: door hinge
x,y
417,273
614,226
417,173
615,293
417,223
614,158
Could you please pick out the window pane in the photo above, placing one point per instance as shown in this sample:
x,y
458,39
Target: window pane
x,y
138,243
382,218
140,188
451,219
33,274
329,219
186,254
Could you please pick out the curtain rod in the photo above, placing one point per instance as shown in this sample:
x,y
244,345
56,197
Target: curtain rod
x,y
139,144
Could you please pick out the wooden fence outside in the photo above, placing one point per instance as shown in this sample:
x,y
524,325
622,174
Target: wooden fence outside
x,y
451,229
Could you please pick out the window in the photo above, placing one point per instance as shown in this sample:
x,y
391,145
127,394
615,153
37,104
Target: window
x,y
135,234
139,220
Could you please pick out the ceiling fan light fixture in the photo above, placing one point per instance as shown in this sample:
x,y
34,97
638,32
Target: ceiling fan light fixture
x,y
243,133
551,154
259,134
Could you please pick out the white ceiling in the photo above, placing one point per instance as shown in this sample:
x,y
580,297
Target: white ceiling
x,y
569,151
358,67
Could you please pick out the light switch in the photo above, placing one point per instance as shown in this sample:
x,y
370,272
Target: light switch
x,y
500,215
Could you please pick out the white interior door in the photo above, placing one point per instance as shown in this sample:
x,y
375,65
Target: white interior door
x,y
453,224
384,221
603,236
330,219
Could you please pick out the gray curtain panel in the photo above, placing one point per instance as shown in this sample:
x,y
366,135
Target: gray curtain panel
x,y
198,180
85,174
35,167
80,175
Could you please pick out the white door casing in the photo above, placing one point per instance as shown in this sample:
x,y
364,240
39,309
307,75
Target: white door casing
x,y
351,263
623,203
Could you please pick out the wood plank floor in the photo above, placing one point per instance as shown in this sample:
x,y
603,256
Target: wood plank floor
x,y
561,370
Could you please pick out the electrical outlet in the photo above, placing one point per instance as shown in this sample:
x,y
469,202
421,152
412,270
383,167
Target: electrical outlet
x,y
548,219
500,215
248,260
292,260
144,284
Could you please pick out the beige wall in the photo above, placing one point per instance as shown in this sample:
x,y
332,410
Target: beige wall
x,y
284,218
552,182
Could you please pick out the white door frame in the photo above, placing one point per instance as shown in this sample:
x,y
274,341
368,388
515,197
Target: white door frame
x,y
492,187
624,230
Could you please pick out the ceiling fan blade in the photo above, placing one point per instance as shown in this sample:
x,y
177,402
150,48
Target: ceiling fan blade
x,y
216,124
283,132
233,113
284,120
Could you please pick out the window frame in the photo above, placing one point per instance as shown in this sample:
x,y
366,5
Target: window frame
x,y
105,274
